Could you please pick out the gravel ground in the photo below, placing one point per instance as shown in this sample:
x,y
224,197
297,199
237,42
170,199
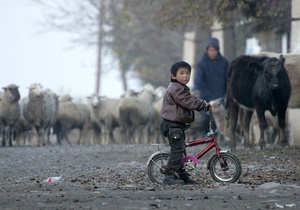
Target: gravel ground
x,y
115,177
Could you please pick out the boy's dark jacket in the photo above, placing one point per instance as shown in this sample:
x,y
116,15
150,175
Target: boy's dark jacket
x,y
179,104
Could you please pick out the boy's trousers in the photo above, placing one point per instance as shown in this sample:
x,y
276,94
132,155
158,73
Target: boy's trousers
x,y
175,134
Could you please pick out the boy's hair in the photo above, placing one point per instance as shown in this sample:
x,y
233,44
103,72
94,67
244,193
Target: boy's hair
x,y
178,65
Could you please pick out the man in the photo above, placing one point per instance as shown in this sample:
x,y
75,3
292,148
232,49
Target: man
x,y
210,78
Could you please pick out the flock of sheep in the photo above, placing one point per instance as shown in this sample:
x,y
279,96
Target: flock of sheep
x,y
43,116
132,119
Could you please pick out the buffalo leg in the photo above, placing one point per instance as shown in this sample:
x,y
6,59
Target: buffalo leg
x,y
282,134
233,117
262,126
246,124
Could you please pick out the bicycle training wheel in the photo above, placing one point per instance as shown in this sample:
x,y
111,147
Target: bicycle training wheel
x,y
156,167
231,170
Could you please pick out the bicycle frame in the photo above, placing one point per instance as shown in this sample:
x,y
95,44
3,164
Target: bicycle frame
x,y
210,139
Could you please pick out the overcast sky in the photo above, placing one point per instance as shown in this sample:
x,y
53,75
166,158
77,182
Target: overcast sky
x,y
27,56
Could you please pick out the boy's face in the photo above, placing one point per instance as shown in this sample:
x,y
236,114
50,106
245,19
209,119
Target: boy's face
x,y
183,76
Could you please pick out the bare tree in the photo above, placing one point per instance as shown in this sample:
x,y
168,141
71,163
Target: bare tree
x,y
84,20
127,28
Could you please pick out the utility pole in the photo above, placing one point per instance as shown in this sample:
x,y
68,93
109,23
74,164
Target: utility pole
x,y
100,46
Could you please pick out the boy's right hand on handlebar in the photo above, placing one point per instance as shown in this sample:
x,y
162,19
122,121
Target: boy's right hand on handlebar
x,y
207,107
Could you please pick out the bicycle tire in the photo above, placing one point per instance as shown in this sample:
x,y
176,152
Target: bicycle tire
x,y
233,168
156,167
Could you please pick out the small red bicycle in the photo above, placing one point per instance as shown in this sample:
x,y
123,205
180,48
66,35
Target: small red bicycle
x,y
223,166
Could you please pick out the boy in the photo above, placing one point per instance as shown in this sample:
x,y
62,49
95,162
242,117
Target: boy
x,y
177,110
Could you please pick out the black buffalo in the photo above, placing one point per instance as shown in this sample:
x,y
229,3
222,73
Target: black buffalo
x,y
260,84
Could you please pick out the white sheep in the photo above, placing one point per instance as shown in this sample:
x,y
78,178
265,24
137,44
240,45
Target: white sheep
x,y
51,107
9,111
71,116
22,127
105,115
39,112
219,116
156,136
65,98
136,116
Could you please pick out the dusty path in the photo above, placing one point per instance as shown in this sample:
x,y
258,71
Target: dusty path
x,y
114,177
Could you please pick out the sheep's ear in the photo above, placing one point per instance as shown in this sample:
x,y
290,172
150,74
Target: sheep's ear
x,y
4,88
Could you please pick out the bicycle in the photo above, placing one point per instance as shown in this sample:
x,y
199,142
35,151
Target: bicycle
x,y
223,165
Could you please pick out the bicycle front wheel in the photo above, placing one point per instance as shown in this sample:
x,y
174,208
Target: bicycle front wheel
x,y
227,169
156,167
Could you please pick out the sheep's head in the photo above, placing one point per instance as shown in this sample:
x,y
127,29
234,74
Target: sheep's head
x,y
35,90
12,92
94,100
160,91
129,93
65,98
148,93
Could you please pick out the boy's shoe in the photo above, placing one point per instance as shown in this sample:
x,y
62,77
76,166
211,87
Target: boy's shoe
x,y
188,180
185,177
171,179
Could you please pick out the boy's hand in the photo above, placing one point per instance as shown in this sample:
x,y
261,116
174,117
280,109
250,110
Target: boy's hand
x,y
207,106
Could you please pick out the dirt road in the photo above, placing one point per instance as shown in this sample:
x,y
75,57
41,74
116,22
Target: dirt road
x,y
114,177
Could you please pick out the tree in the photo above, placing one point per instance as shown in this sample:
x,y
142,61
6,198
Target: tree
x,y
141,45
253,15
128,30
84,20
266,14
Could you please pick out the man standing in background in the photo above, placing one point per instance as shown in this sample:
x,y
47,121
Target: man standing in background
x,y
210,79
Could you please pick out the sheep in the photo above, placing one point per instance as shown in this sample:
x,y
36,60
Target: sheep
x,y
22,127
157,105
157,136
39,112
294,132
272,131
52,109
9,111
197,131
137,112
105,115
219,114
65,98
70,116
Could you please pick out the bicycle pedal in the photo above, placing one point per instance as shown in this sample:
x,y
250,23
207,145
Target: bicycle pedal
x,y
165,170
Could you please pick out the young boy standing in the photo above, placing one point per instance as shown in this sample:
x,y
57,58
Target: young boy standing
x,y
178,110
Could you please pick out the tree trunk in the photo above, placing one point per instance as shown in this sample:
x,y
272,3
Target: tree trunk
x,y
100,46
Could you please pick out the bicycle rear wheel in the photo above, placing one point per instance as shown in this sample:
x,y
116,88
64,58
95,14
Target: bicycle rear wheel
x,y
229,172
156,167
